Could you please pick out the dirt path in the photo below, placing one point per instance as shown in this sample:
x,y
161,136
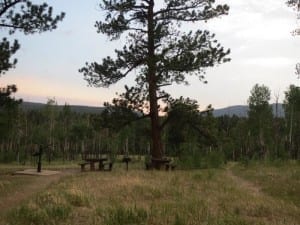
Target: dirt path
x,y
242,183
28,189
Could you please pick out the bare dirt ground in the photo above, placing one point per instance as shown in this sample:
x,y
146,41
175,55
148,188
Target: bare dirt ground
x,y
31,186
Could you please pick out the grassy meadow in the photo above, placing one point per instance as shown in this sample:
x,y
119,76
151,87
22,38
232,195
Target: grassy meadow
x,y
235,194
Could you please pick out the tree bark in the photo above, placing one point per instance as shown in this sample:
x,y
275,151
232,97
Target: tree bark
x,y
156,147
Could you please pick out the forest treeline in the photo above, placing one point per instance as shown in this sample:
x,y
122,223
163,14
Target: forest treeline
x,y
198,139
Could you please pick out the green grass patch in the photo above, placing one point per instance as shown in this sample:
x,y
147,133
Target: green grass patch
x,y
46,208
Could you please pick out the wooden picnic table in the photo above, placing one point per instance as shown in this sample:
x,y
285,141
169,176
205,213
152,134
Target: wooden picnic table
x,y
91,159
90,162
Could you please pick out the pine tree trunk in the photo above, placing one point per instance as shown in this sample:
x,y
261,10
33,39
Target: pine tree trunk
x,y
156,147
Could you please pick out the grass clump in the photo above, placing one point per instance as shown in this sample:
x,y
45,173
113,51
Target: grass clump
x,y
27,215
121,215
31,214
231,220
77,197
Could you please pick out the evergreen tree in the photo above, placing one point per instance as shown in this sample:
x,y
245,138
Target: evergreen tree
x,y
159,52
26,17
7,105
226,126
292,115
260,118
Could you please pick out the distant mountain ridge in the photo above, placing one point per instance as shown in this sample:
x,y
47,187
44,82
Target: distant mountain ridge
x,y
238,110
74,108
242,110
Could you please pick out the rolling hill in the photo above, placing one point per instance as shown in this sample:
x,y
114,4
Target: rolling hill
x,y
74,108
242,110
238,110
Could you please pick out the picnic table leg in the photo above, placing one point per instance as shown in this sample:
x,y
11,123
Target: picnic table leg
x,y
82,167
167,166
92,164
101,165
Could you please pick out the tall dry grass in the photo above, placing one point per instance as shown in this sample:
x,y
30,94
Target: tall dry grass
x,y
212,196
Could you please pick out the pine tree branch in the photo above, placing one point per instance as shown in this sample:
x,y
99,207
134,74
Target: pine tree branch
x,y
8,5
176,10
137,29
163,85
11,26
163,96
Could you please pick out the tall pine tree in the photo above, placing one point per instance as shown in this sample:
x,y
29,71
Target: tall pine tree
x,y
158,49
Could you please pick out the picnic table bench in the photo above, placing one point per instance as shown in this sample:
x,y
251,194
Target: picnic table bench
x,y
159,163
82,165
105,165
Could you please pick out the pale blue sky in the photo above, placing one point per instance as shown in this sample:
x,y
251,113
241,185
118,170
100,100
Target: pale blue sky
x,y
257,32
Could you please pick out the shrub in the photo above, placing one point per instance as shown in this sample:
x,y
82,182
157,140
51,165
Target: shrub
x,y
197,160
